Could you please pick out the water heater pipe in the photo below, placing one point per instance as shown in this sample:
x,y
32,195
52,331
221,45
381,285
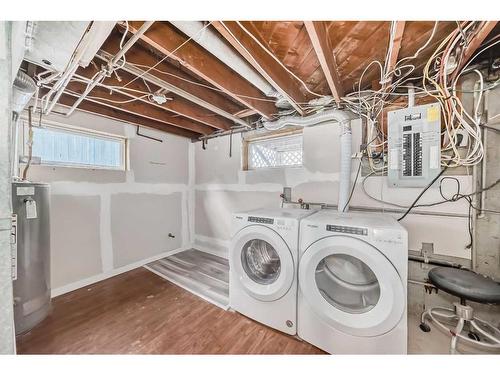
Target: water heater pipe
x,y
334,115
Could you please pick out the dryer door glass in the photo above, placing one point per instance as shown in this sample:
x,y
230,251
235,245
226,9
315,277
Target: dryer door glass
x,y
347,283
260,261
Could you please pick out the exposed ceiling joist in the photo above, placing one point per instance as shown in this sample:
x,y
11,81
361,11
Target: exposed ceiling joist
x,y
177,106
99,96
245,113
399,29
324,51
174,120
130,72
167,40
115,114
484,29
264,63
170,78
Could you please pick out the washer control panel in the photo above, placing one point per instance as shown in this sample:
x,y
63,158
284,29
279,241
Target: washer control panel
x,y
347,229
260,220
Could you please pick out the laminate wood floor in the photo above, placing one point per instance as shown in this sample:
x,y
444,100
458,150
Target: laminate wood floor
x,y
138,312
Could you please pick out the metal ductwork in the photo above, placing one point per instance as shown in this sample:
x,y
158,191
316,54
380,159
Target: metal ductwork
x,y
334,115
22,91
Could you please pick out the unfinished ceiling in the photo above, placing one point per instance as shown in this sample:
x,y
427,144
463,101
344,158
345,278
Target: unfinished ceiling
x,y
169,81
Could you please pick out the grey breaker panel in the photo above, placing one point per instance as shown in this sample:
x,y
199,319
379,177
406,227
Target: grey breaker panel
x,y
414,145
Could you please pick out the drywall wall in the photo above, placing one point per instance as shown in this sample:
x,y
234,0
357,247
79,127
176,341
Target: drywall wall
x,y
7,341
104,222
221,188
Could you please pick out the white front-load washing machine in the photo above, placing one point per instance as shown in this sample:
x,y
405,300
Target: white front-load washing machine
x,y
263,260
353,283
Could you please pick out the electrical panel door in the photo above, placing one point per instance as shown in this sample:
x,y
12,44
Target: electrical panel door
x,y
414,145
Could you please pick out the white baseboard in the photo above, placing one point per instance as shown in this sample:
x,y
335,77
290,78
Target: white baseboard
x,y
106,275
213,251
212,246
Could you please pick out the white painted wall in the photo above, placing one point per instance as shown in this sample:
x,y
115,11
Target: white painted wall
x,y
221,187
106,222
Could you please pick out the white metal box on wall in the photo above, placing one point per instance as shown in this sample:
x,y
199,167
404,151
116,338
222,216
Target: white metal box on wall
x,y
414,144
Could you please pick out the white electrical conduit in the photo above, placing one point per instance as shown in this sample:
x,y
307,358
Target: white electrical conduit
x,y
111,64
344,119
211,41
58,91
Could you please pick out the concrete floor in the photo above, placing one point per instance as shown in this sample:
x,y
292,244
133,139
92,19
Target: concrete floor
x,y
434,342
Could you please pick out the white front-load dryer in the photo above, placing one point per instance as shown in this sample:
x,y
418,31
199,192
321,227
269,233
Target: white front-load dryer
x,y
353,283
263,260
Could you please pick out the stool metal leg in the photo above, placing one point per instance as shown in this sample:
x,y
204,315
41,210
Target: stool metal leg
x,y
463,314
486,334
493,328
455,334
444,313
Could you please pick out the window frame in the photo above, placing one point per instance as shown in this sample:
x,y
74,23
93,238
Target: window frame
x,y
263,137
73,129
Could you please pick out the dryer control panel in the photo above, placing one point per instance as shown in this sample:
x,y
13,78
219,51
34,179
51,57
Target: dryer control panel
x,y
347,229
260,220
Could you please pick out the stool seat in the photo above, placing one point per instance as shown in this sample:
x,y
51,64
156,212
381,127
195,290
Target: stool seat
x,y
466,284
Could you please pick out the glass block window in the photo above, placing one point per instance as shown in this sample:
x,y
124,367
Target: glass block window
x,y
71,147
284,151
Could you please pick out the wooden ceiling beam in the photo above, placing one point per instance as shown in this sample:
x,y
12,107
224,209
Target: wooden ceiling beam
x,y
483,31
245,113
177,106
139,60
255,53
324,51
99,95
115,114
168,40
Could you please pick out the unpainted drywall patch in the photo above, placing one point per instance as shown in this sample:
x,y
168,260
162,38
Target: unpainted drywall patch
x,y
321,146
159,162
140,224
271,175
75,238
55,174
213,165
214,209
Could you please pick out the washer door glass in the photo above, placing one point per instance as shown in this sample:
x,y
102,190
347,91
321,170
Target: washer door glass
x,y
352,286
260,261
347,283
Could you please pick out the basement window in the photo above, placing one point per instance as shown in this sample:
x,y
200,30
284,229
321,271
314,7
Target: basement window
x,y
68,146
274,152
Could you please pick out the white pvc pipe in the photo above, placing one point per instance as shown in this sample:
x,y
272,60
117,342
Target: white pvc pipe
x,y
411,95
345,166
334,115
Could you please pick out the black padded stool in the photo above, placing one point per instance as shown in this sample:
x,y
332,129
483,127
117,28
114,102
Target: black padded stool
x,y
468,286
